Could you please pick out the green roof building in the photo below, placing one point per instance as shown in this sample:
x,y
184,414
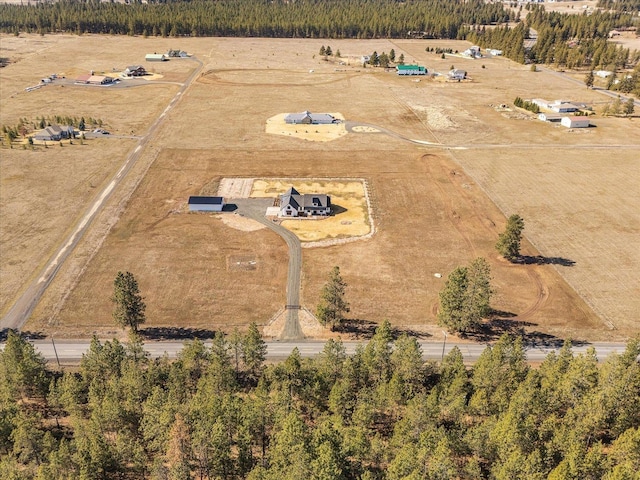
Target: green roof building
x,y
411,70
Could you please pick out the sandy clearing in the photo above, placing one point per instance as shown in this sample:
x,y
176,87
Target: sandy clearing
x,y
314,133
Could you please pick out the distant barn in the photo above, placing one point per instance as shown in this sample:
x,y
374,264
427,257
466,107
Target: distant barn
x,y
308,118
206,204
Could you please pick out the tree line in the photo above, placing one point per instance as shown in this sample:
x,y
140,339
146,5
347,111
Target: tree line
x,y
247,18
218,412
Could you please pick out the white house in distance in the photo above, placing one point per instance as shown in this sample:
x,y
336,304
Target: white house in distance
x,y
206,204
575,122
308,118
156,57
457,74
473,52
293,204
563,106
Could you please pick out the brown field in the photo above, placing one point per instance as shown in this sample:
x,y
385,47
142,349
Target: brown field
x,y
434,208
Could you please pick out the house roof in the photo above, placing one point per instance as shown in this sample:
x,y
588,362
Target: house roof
x,y
315,200
131,68
84,78
410,67
195,200
315,117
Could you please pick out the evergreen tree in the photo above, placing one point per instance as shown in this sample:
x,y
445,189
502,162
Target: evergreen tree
x,y
253,350
129,304
629,106
333,305
589,78
508,244
465,298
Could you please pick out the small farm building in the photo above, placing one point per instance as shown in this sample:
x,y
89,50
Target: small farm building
x,y
308,118
575,122
206,204
177,53
456,74
560,106
411,70
135,71
473,52
53,133
155,57
292,204
550,117
541,102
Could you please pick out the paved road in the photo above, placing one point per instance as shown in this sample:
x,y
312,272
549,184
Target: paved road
x,y
23,307
255,209
70,350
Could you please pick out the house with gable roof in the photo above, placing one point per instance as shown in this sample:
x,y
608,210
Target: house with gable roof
x,y
293,204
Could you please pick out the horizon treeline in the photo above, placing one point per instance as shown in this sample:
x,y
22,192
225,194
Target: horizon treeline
x,y
219,412
256,18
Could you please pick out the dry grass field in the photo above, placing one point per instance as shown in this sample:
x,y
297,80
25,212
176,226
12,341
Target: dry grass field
x,y
434,207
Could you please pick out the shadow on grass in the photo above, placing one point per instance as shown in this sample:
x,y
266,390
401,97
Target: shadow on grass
x,y
505,322
540,260
26,334
176,333
365,329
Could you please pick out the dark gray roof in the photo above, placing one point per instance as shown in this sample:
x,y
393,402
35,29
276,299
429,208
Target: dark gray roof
x,y
316,200
194,200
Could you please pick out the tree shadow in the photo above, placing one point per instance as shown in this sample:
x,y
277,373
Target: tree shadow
x,y
26,334
176,333
359,328
505,322
541,260
366,329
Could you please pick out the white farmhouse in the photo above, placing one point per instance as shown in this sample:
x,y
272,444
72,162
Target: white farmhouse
x,y
293,204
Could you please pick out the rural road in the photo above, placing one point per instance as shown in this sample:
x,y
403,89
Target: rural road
x,y
19,313
72,350
255,209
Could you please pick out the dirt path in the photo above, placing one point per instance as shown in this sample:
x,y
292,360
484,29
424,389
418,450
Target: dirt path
x,y
255,209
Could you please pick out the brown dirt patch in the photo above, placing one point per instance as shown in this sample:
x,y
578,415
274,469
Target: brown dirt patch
x,y
431,214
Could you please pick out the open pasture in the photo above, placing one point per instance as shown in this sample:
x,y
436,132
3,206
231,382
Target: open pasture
x,y
433,206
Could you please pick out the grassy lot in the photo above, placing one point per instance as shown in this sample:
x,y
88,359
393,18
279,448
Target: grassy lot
x,y
434,207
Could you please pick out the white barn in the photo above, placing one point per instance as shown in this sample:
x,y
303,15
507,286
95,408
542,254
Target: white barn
x,y
575,122
206,204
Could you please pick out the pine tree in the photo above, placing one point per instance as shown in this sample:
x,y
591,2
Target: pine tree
x,y
254,350
129,304
509,241
333,306
588,79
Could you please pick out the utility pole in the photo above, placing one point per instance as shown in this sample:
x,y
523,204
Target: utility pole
x,y
444,342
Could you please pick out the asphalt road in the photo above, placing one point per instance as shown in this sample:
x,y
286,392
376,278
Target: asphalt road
x,y
19,313
70,351
255,209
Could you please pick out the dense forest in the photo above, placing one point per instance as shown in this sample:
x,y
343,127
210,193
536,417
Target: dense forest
x,y
257,18
219,412
620,5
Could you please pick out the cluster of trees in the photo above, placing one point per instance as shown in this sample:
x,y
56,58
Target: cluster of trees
x,y
629,6
280,18
383,413
509,40
384,59
327,52
617,107
526,104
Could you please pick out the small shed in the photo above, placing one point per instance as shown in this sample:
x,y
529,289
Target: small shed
x,y
206,204
155,57
575,122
